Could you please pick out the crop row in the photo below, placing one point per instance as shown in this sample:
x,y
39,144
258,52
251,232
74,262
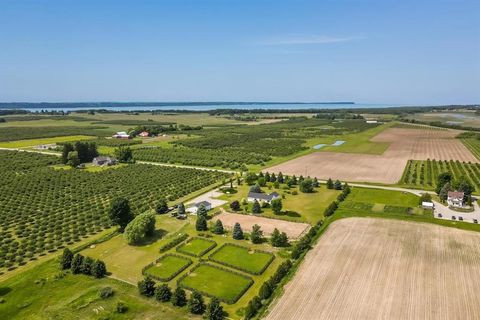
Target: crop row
x,y
43,209
424,173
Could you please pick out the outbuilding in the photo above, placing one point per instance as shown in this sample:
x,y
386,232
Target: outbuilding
x,y
428,205
252,196
104,161
194,208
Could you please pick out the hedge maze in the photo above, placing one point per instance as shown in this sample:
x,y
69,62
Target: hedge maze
x,y
42,209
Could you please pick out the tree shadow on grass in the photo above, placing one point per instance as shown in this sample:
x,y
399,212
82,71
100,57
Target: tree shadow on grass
x,y
157,235
291,214
4,290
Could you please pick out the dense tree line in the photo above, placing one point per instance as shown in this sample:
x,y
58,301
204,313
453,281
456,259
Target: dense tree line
x,y
79,152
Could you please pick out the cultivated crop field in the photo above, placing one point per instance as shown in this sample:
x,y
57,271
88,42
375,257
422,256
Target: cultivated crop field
x,y
405,144
386,269
473,145
425,173
43,209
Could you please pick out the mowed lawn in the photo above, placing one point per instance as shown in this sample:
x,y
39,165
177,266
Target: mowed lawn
x,y
125,261
197,247
36,142
168,266
386,197
225,285
242,258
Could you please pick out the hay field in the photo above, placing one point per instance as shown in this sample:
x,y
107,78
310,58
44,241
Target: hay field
x,y
405,144
364,268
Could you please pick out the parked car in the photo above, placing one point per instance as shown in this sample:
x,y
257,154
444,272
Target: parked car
x,y
460,218
454,218
440,215
475,221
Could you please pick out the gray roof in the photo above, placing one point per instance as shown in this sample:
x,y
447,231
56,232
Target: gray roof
x,y
205,203
102,158
262,196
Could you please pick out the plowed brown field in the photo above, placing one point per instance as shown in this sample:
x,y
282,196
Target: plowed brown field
x,y
365,268
292,229
405,144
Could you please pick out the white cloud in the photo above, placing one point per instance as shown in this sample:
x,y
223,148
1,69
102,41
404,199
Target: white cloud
x,y
305,39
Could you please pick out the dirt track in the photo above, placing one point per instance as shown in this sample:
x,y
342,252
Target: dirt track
x,y
366,268
292,229
405,144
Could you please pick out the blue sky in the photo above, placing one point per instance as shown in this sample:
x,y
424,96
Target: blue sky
x,y
399,52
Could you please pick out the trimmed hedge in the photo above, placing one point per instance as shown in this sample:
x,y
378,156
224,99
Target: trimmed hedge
x,y
231,301
151,264
173,243
272,257
213,245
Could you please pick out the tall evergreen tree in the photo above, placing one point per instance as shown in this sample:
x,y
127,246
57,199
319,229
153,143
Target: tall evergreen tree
x,y
77,261
163,293
329,184
202,211
218,228
201,224
179,298
66,259
99,270
257,234
237,232
146,287
214,310
87,265
67,148
256,207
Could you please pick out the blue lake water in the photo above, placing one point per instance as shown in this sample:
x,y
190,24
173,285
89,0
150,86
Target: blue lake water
x,y
336,144
207,106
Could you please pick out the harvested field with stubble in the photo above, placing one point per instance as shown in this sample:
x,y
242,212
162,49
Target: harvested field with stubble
x,y
365,268
405,144
293,229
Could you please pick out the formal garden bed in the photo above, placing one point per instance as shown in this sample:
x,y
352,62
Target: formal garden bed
x,y
167,267
196,247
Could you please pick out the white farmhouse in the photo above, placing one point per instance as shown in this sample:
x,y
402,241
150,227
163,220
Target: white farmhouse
x,y
455,199
252,196
121,135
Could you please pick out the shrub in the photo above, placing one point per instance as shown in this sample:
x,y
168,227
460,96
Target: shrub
x,y
235,205
306,186
179,298
139,228
146,287
163,293
173,243
196,304
121,307
105,292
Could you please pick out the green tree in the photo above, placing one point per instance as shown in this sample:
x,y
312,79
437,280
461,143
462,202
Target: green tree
x,y
257,234
266,290
235,205
163,293
256,188
214,310
196,305
202,211
77,263
443,194
337,185
146,287
464,185
262,182
201,224
237,232
73,160
162,206
67,148
66,259
442,179
306,186
280,178
99,270
329,184
278,239
87,265
251,178
139,228
120,213
124,154
218,228
256,207
277,205
179,298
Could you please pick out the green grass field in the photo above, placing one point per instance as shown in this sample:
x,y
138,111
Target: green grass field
x,y
36,142
197,247
302,207
218,282
386,197
242,258
167,267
